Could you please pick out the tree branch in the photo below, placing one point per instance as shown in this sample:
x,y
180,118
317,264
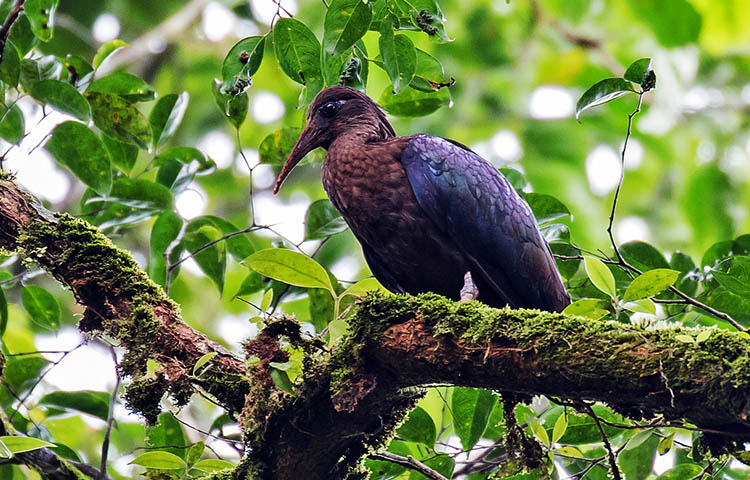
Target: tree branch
x,y
5,29
121,303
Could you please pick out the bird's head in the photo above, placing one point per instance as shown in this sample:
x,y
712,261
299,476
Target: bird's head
x,y
336,111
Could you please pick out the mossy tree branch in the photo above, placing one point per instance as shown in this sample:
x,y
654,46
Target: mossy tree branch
x,y
121,303
401,342
348,403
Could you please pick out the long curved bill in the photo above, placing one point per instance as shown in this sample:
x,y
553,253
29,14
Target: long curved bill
x,y
308,141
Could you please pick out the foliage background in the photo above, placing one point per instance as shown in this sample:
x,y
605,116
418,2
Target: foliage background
x,y
519,67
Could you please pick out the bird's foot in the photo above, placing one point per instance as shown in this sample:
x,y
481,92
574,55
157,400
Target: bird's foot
x,y
469,291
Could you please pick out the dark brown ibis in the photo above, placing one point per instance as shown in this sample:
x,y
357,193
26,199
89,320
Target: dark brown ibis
x,y
426,209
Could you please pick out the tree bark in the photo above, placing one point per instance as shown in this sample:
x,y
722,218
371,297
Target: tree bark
x,y
348,402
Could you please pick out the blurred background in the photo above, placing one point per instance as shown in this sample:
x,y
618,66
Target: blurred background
x,y
519,66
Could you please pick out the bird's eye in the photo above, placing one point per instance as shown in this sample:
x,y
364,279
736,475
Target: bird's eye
x,y
329,109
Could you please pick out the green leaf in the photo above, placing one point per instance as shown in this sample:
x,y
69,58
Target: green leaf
x,y
138,193
165,231
736,278
202,361
413,103
241,63
429,74
298,52
194,453
36,70
418,428
290,267
665,444
603,92
126,85
63,97
252,283
685,471
119,119
41,15
471,408
159,460
12,124
122,155
281,380
106,50
383,470
209,465
86,401
593,308
351,70
166,116
238,245
556,233
561,424
637,463
441,463
644,305
582,428
234,107
16,444
539,432
363,286
650,283
22,372
212,260
546,208
346,22
42,307
266,300
78,148
600,276
675,22
643,256
399,57
684,338
10,67
569,452
641,73
168,434
323,220
703,336
187,155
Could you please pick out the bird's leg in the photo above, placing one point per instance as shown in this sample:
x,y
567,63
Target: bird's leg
x,y
469,291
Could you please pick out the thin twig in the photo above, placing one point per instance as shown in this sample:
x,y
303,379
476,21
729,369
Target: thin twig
x,y
5,29
409,462
612,459
110,419
622,178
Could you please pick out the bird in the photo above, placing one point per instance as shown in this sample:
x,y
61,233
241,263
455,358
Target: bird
x,y
430,214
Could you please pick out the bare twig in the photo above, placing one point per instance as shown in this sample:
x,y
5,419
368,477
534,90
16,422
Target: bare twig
x,y
5,29
622,178
409,462
110,419
612,459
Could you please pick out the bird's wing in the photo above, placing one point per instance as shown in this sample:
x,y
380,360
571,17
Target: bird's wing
x,y
476,205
